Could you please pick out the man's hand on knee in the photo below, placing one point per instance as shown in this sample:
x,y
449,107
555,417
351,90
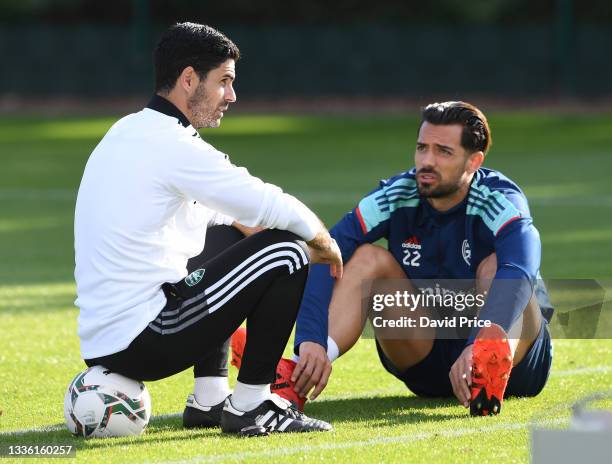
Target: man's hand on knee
x,y
312,370
247,231
326,252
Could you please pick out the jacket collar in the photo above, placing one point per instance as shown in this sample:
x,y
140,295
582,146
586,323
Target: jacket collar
x,y
161,105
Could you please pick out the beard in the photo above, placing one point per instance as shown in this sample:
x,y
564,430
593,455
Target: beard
x,y
443,189
203,109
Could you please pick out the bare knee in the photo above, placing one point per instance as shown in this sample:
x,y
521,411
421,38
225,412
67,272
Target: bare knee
x,y
375,261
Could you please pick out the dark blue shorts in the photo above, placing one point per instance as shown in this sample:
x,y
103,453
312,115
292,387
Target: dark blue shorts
x,y
429,377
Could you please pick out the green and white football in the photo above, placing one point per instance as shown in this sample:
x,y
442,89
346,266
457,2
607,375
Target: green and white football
x,y
100,403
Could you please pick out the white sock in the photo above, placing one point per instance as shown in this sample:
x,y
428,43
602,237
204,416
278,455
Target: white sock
x,y
333,352
210,391
332,349
247,397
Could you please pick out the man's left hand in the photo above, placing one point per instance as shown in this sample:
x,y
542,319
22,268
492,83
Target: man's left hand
x,y
461,376
312,370
247,231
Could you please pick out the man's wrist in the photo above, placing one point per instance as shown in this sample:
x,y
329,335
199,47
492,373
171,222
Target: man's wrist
x,y
322,241
296,348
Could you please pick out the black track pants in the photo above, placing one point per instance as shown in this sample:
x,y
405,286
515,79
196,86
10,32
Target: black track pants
x,y
260,278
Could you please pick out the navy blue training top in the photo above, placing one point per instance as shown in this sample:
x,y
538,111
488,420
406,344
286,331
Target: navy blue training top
x,y
428,244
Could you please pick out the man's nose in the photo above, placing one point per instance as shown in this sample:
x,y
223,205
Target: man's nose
x,y
428,159
230,94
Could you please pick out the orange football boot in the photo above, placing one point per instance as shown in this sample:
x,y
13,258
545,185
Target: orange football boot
x,y
491,366
283,386
237,343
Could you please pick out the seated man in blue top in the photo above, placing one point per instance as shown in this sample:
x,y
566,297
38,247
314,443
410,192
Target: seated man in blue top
x,y
446,218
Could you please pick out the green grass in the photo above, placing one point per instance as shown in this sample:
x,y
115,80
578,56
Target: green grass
x,y
562,162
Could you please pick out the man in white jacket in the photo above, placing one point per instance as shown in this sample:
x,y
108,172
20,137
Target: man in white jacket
x,y
150,190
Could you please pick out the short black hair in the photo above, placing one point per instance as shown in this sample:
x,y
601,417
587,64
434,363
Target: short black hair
x,y
190,44
476,135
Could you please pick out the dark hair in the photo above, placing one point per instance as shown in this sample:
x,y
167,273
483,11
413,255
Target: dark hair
x,y
190,44
476,135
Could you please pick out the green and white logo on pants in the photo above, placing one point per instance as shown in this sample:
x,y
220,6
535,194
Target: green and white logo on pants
x,y
195,277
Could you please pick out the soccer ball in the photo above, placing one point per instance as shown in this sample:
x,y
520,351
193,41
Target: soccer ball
x,y
100,403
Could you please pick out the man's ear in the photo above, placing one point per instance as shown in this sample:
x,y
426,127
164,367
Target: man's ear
x,y
188,80
475,160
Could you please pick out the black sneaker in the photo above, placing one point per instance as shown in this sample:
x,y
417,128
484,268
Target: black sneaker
x,y
275,415
196,415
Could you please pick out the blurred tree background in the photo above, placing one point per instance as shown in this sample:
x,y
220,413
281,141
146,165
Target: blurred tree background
x,y
300,12
406,48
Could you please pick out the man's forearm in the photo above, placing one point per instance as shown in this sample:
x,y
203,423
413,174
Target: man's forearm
x,y
312,320
507,299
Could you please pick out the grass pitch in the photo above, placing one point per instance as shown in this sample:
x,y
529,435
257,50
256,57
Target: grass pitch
x,y
562,163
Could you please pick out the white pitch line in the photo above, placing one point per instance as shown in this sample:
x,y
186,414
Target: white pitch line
x,y
44,429
581,370
564,373
284,451
58,427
